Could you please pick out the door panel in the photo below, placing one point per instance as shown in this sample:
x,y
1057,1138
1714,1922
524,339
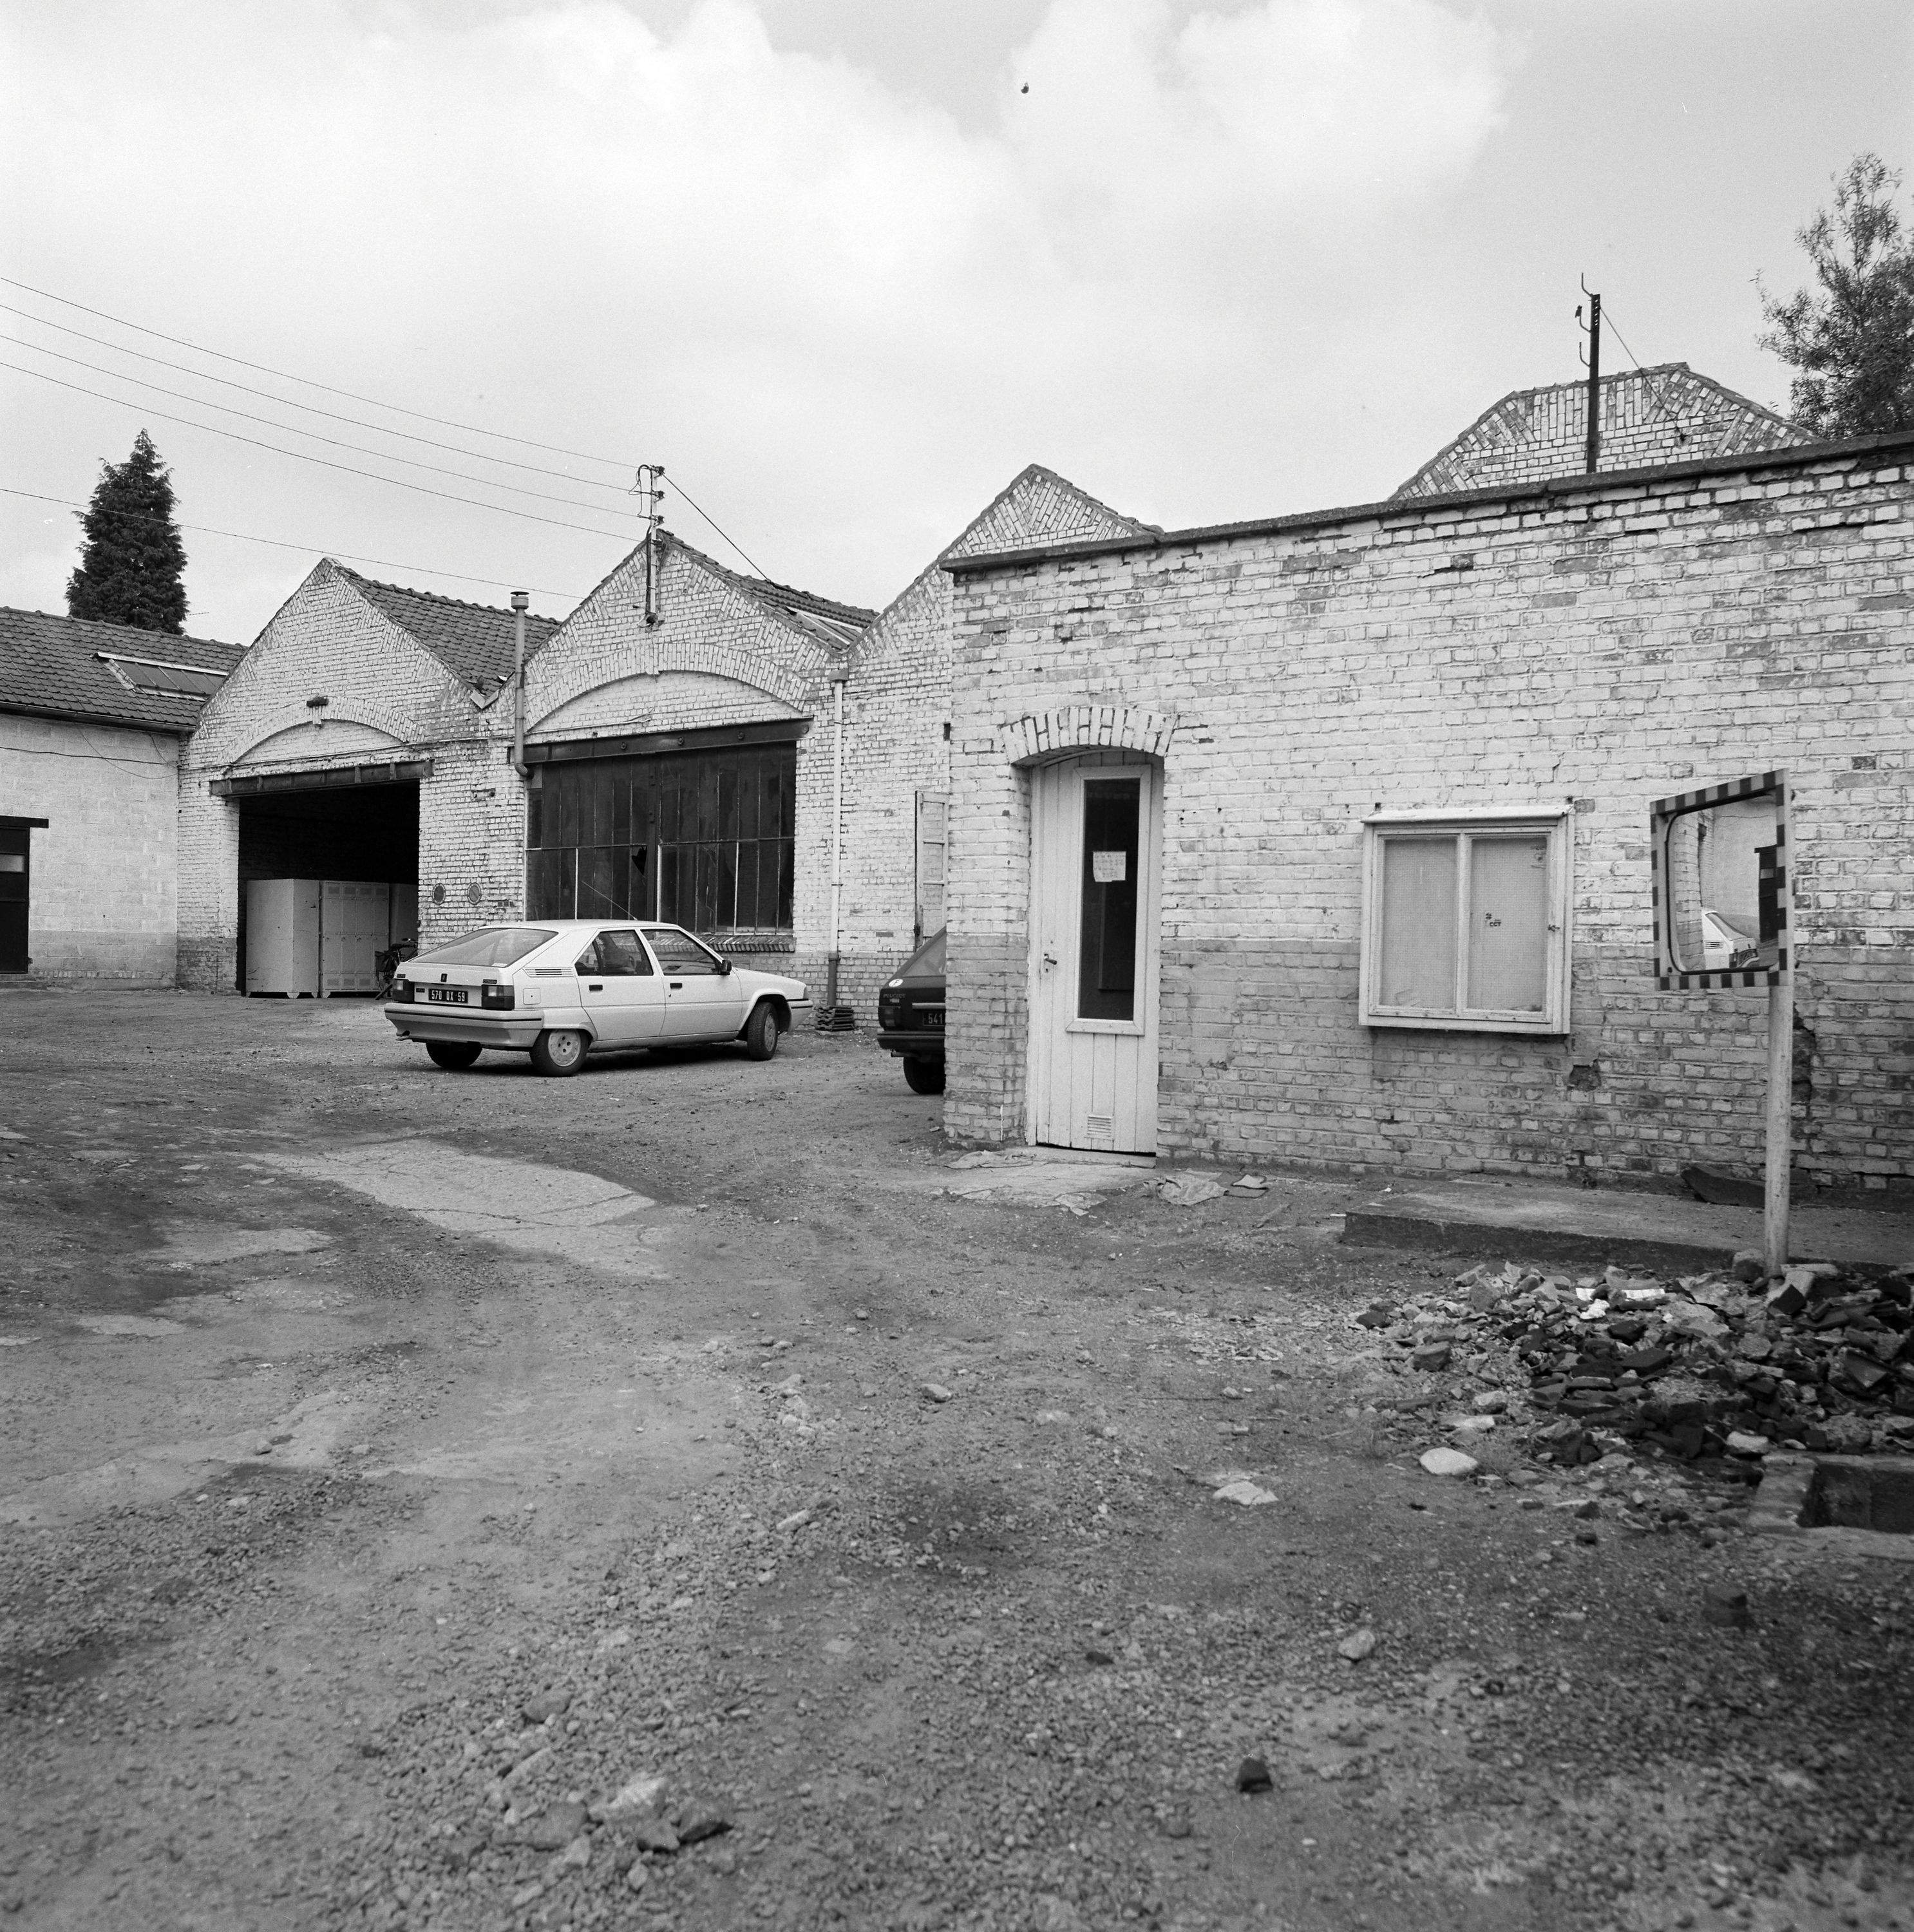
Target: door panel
x,y
1095,839
620,990
700,1003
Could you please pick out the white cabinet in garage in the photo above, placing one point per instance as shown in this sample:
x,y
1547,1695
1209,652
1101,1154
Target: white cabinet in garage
x,y
308,938
282,937
353,920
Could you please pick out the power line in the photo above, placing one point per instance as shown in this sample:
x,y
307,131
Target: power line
x,y
397,408
311,550
293,429
328,388
1674,416
731,540
287,402
324,463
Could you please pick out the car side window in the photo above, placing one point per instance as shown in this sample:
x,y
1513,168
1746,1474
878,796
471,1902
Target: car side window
x,y
679,953
588,961
620,954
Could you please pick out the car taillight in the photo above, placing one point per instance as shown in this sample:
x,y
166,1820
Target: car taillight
x,y
402,992
496,996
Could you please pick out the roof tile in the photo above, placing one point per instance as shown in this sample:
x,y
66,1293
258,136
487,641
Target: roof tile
x,y
56,667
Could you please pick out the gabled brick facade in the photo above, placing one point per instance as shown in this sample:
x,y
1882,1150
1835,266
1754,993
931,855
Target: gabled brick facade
x,y
1668,414
898,704
389,696
1591,642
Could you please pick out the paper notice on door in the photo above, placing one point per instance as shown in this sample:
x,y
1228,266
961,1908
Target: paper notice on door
x,y
1109,868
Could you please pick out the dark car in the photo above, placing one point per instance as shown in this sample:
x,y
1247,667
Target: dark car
x,y
910,1017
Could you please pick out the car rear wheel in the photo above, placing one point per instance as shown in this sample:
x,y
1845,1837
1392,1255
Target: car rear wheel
x,y
454,1054
761,1032
923,1076
558,1052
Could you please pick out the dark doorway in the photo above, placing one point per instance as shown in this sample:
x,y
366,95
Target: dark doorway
x,y
702,839
16,875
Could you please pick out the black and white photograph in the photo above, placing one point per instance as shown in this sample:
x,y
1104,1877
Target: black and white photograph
x,y
957,965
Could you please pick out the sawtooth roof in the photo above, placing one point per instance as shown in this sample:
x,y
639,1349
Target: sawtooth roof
x,y
475,642
65,667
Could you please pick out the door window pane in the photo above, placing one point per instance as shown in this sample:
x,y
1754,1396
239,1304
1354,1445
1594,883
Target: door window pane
x,y
1106,972
678,953
1508,912
1418,950
621,956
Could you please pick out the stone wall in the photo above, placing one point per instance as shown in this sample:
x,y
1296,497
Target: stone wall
x,y
101,894
1590,645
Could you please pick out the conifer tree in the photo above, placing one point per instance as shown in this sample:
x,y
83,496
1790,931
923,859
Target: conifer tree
x,y
132,571
1851,343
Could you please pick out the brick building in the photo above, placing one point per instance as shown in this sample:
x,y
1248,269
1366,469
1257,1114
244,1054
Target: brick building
x,y
359,740
92,718
1196,772
680,751
1667,414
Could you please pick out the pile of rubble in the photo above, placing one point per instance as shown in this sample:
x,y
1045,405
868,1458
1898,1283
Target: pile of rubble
x,y
1730,1362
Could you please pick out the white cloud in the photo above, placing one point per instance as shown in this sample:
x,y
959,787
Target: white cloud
x,y
844,316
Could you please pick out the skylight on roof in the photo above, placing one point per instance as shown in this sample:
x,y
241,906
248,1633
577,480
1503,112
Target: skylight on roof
x,y
158,677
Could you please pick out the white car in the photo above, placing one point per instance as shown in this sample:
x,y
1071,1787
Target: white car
x,y
558,989
1725,947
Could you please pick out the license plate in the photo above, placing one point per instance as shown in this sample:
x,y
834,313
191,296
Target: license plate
x,y
932,1022
449,996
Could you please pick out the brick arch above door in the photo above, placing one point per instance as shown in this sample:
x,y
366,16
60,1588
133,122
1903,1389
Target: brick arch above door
x,y
1066,731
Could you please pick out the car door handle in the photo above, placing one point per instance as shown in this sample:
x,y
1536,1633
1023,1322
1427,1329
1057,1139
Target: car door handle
x,y
677,985
593,986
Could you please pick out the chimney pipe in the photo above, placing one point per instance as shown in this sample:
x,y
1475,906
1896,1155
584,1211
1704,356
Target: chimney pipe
x,y
520,600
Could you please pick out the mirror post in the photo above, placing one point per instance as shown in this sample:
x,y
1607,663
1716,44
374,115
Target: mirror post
x,y
1780,1132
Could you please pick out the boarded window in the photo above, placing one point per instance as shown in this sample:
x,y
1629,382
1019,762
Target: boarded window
x,y
1465,924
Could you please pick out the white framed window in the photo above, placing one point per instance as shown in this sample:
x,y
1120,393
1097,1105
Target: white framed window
x,y
1465,920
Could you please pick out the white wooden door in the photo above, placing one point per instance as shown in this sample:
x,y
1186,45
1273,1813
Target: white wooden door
x,y
1095,835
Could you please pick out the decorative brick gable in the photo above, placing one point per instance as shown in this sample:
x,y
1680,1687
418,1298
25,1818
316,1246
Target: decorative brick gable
x,y
1668,414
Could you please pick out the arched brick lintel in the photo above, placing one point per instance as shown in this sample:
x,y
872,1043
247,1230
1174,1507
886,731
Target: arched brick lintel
x,y
549,689
1039,736
357,710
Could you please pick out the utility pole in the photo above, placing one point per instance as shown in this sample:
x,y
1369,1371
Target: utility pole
x,y
649,490
1594,458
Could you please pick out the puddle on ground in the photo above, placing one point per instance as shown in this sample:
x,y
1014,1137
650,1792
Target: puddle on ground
x,y
304,1437
577,1217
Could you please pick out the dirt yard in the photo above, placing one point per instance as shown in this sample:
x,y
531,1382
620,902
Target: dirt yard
x,y
681,1497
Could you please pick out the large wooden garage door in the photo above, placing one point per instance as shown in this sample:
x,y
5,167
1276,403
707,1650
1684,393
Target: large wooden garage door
x,y
703,838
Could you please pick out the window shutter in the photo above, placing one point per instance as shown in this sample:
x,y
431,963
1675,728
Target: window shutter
x,y
933,813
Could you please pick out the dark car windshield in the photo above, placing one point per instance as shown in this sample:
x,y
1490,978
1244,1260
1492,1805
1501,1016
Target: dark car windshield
x,y
497,946
927,962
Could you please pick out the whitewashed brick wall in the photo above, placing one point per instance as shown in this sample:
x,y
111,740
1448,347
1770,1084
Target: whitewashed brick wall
x,y
101,896
1603,646
387,697
898,701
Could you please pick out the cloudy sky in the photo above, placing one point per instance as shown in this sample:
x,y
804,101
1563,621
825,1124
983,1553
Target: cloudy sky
x,y
845,266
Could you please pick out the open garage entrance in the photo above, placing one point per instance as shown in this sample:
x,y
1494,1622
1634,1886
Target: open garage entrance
x,y
328,875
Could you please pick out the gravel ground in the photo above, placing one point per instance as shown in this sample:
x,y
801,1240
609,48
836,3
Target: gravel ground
x,y
789,1540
